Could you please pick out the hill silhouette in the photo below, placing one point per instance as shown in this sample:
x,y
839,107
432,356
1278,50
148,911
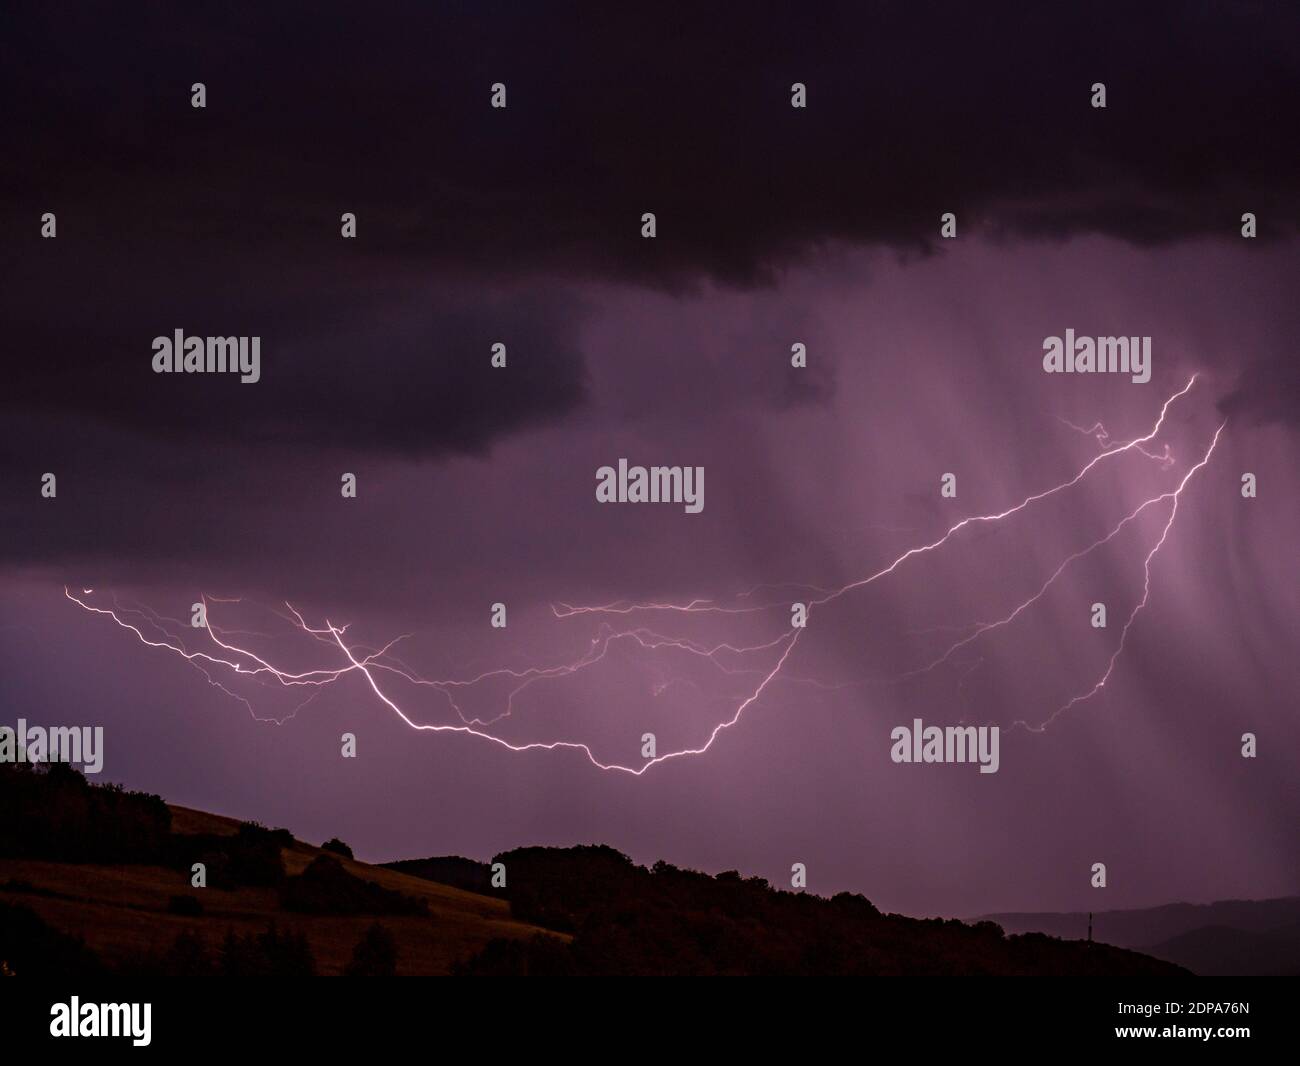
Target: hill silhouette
x,y
627,919
94,878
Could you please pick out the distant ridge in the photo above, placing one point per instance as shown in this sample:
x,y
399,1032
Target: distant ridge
x,y
1229,937
454,870
1219,951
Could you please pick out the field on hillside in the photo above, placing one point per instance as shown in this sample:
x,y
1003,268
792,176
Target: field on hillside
x,y
121,911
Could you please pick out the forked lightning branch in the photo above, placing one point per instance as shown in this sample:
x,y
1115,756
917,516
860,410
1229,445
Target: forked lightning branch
x,y
221,657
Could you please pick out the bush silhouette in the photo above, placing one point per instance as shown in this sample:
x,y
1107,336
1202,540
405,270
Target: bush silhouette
x,y
326,888
375,954
30,948
543,956
188,956
251,857
268,954
337,846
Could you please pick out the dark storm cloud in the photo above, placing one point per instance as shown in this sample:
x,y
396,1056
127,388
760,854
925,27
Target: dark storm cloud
x,y
225,220
619,109
375,362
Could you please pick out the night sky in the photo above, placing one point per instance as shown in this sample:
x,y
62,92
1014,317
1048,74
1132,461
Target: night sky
x,y
776,226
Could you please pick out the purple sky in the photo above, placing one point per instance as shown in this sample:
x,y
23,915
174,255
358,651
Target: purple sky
x,y
478,485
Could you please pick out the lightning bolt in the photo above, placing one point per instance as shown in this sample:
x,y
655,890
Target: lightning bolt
x,y
229,654
1141,604
984,627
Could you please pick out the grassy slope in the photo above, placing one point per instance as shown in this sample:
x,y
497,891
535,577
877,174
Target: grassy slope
x,y
122,910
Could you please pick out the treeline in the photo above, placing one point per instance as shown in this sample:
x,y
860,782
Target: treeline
x,y
52,812
626,919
